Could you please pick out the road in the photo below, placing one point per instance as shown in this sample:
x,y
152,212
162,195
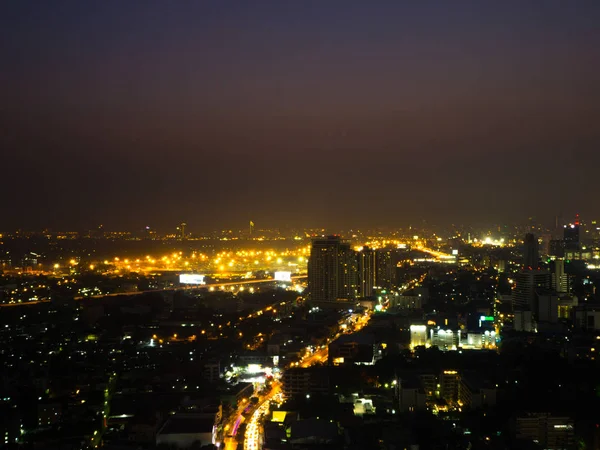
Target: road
x,y
437,254
253,437
34,302
232,427
181,288
188,288
317,357
320,356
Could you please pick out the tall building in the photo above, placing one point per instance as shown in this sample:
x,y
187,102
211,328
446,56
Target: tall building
x,y
561,281
449,382
531,254
181,230
366,272
385,266
523,320
571,236
526,284
332,270
547,306
556,248
348,272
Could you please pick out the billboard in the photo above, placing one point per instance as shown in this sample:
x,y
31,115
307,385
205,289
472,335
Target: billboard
x,y
283,276
191,278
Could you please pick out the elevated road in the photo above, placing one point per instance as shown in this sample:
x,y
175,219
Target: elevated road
x,y
193,287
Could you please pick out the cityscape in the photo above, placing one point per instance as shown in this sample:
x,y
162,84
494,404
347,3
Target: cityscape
x,y
299,225
262,339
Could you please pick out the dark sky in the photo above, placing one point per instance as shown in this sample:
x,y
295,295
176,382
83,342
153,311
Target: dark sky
x,y
306,113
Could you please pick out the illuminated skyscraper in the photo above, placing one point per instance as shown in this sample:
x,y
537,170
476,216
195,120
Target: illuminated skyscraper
x,y
366,271
385,268
332,270
571,236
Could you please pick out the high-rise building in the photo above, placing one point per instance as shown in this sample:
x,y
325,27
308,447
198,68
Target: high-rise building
x,y
526,284
556,248
385,265
561,281
523,320
547,306
449,385
348,275
332,270
181,230
366,272
571,236
531,253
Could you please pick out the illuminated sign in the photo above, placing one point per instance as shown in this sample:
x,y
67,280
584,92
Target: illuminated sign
x,y
454,252
279,416
254,368
191,278
486,318
283,276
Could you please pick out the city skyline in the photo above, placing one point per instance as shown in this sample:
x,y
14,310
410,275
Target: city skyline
x,y
294,224
239,228
300,114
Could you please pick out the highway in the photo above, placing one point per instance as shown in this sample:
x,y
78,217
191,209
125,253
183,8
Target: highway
x,y
232,427
189,288
214,286
229,284
317,357
253,437
33,302
439,255
321,355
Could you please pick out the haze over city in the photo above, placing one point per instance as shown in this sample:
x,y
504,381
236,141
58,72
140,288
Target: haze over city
x,y
325,114
299,225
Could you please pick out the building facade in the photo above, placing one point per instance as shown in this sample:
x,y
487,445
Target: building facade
x,y
332,271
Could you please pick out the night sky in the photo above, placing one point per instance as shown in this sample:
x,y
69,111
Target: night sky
x,y
297,113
